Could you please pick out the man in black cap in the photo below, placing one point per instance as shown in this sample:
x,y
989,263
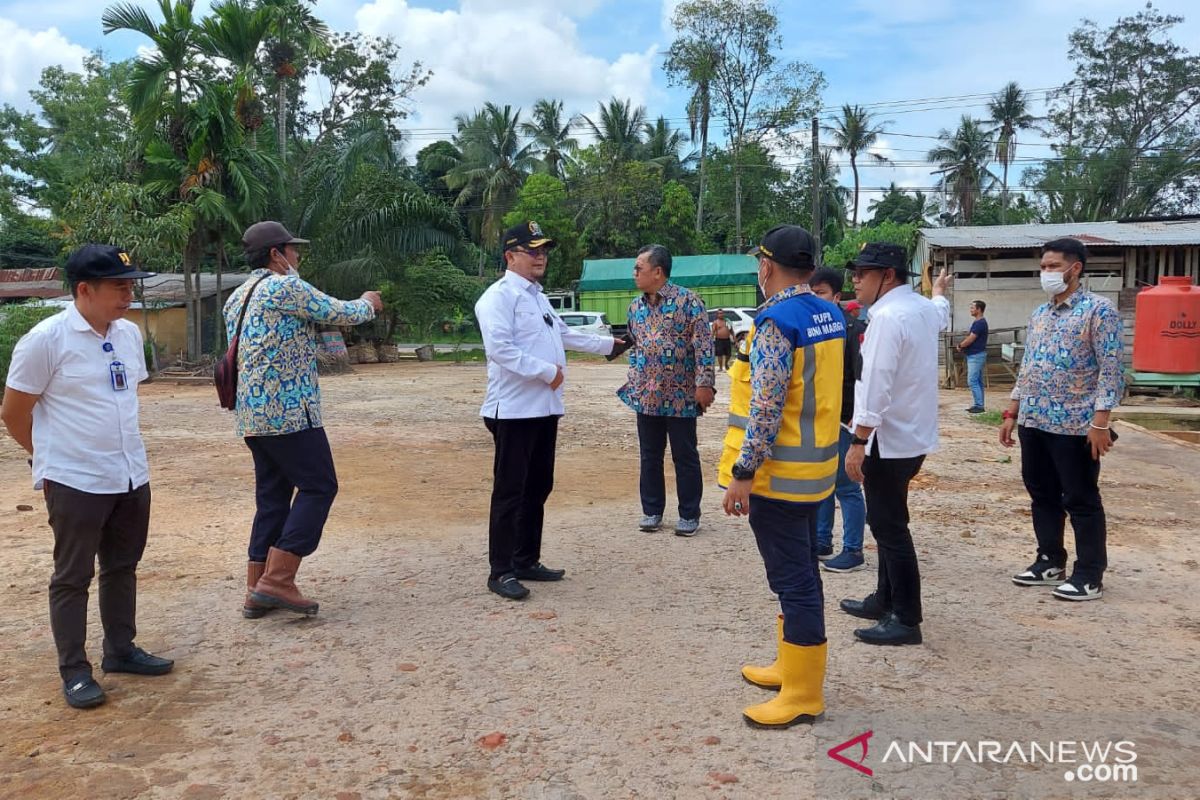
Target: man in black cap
x,y
524,341
279,412
780,461
895,427
71,401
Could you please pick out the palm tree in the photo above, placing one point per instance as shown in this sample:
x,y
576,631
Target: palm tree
x,y
235,32
1010,112
962,161
295,32
856,132
832,197
619,127
491,165
166,71
662,148
692,63
551,135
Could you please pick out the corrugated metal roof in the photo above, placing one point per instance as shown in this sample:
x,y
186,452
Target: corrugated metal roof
x,y
1095,234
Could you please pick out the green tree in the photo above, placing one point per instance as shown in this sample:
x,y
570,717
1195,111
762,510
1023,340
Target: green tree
x,y
962,159
840,254
15,321
618,200
1128,125
663,147
551,136
692,62
756,94
619,126
543,198
433,289
295,34
490,166
855,133
1009,110
897,205
672,225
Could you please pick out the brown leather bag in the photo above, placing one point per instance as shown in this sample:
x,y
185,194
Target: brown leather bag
x,y
225,373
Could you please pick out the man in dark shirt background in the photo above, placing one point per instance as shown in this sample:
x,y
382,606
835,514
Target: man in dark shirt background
x,y
827,284
974,348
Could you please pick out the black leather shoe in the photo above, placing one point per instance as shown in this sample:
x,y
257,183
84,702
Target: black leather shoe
x,y
540,572
507,586
890,631
83,692
863,609
139,662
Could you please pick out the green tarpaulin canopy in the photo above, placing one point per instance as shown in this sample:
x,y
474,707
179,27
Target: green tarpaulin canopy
x,y
610,274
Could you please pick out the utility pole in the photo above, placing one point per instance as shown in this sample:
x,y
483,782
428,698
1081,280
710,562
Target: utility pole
x,y
816,192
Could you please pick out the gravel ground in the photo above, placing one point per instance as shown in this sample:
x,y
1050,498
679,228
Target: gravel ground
x,y
621,681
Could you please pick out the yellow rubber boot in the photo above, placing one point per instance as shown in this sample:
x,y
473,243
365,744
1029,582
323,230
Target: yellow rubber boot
x,y
803,670
768,677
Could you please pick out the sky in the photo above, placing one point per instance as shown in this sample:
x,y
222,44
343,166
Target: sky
x,y
872,52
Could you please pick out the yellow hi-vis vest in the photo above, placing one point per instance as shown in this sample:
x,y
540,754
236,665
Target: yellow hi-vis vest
x,y
802,467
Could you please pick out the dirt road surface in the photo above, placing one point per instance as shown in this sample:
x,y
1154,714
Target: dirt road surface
x,y
621,681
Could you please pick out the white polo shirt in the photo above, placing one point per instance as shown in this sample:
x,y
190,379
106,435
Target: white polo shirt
x,y
524,340
85,433
897,394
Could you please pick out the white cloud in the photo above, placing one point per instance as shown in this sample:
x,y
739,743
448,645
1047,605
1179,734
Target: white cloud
x,y
506,52
26,53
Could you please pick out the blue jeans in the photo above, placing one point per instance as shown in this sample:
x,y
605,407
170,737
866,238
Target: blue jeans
x,y
975,364
854,510
784,533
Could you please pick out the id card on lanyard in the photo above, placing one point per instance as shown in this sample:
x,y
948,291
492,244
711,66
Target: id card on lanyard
x,y
116,370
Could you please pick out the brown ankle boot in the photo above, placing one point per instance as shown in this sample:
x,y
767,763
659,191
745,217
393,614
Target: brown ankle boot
x,y
277,586
251,609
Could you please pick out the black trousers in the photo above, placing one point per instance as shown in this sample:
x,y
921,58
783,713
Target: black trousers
x,y
653,435
885,486
522,479
294,487
113,527
786,534
1062,480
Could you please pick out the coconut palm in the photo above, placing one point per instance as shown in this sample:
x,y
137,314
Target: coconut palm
x,y
962,160
491,165
551,135
692,63
855,133
1010,111
619,127
832,197
663,148
295,33
235,32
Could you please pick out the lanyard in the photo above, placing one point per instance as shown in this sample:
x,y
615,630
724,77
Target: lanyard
x,y
116,370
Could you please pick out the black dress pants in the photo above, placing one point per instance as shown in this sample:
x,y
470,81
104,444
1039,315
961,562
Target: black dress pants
x,y
294,487
522,479
86,525
653,435
885,486
1062,479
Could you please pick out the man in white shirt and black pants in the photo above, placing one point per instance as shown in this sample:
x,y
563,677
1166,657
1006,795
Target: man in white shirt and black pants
x,y
71,402
895,427
524,341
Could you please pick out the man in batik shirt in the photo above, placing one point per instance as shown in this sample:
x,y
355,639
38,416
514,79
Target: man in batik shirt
x,y
1070,380
670,384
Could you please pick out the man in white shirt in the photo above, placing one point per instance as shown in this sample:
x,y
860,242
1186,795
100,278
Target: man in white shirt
x,y
895,427
71,402
524,341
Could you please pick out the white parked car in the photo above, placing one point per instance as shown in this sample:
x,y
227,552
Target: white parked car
x,y
588,322
739,319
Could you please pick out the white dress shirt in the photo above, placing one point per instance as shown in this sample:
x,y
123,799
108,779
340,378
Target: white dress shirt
x,y
897,394
85,432
524,341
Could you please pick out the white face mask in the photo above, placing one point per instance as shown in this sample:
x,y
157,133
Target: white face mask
x,y
1053,283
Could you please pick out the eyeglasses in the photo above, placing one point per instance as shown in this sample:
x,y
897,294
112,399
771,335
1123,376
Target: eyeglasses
x,y
534,252
861,272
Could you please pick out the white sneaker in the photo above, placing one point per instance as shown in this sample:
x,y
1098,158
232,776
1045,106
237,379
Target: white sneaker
x,y
1073,590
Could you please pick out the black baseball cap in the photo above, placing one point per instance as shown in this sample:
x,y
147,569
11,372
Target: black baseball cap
x,y
99,261
789,246
527,234
881,255
269,233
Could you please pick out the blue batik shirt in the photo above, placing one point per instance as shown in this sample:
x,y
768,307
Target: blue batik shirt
x,y
277,389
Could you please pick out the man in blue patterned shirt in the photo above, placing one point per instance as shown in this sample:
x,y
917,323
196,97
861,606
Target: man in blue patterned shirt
x,y
1070,380
670,384
279,412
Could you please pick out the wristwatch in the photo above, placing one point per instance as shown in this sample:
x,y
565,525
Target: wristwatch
x,y
856,440
741,474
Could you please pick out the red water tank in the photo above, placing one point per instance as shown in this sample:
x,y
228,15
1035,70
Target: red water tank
x,y
1166,332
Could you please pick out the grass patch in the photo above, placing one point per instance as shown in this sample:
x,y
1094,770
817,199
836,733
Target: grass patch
x,y
992,418
460,356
